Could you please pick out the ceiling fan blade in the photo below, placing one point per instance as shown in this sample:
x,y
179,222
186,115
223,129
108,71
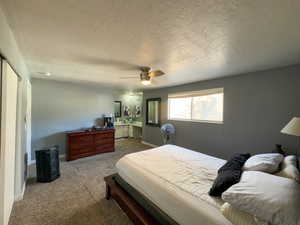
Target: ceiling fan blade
x,y
156,73
132,77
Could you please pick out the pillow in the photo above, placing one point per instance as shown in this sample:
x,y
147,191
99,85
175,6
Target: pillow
x,y
289,160
224,180
238,217
236,162
289,168
268,163
271,198
228,174
290,172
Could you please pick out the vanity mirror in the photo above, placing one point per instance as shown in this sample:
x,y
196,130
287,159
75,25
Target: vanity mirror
x,y
118,109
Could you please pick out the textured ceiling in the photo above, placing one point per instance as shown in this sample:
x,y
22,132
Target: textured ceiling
x,y
101,41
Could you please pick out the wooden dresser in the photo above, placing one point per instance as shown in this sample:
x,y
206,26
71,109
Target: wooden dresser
x,y
82,144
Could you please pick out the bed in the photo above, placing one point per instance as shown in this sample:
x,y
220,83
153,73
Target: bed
x,y
172,180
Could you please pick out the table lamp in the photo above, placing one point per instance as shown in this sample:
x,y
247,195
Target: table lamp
x,y
293,128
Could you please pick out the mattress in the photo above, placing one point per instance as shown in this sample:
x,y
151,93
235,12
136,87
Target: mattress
x,y
177,181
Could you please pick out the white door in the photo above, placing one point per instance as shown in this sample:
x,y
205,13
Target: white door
x,y
8,141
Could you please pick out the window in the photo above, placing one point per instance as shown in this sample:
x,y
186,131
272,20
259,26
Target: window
x,y
202,106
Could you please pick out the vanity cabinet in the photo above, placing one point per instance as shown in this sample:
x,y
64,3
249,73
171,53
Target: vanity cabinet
x,y
133,130
130,131
122,131
118,133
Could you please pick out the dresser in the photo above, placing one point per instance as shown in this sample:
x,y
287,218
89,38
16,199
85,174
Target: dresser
x,y
86,143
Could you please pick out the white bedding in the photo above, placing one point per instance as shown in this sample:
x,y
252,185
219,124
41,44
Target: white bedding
x,y
177,181
238,217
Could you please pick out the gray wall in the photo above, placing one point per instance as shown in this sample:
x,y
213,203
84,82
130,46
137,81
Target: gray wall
x,y
256,107
58,107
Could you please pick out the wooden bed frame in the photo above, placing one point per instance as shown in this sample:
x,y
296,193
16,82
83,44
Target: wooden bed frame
x,y
134,211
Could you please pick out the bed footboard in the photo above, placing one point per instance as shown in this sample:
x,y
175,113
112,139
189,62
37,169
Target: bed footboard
x,y
133,210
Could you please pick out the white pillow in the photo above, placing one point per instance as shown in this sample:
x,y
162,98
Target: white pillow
x,y
290,172
289,168
238,217
271,198
289,160
268,163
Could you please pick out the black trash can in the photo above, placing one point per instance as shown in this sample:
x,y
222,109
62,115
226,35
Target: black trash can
x,y
47,164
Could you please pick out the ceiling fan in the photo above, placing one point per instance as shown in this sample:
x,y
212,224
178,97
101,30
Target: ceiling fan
x,y
146,75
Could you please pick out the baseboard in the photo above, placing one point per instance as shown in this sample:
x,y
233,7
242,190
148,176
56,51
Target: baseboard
x,y
62,156
146,143
20,196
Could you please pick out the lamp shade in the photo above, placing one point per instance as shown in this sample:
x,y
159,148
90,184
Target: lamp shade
x,y
293,127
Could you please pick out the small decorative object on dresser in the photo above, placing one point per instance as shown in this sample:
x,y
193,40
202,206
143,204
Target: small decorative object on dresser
x,y
86,143
108,120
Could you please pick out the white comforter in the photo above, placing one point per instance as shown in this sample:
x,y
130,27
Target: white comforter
x,y
177,180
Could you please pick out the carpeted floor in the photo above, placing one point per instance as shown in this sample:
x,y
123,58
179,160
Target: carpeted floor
x,y
77,197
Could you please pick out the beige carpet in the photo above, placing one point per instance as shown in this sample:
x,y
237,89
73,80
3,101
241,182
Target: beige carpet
x,y
77,197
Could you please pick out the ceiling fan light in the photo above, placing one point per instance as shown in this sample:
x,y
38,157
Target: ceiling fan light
x,y
146,82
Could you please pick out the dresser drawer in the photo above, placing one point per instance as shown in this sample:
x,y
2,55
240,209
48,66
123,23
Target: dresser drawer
x,y
104,146
104,141
103,136
86,149
82,139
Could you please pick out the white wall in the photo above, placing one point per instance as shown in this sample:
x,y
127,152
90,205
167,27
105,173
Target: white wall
x,y
9,48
